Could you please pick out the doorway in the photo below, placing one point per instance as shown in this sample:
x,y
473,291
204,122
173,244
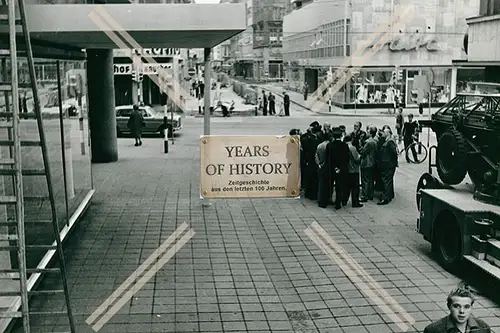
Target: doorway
x,y
411,93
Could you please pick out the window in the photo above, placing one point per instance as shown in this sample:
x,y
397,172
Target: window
x,y
124,113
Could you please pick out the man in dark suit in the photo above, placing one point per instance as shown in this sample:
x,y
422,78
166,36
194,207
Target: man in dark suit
x,y
460,319
264,103
337,153
286,104
388,162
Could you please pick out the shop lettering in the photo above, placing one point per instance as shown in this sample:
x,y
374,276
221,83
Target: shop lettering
x,y
123,69
154,68
157,52
410,43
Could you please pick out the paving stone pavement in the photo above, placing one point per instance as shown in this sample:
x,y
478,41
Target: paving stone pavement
x,y
250,266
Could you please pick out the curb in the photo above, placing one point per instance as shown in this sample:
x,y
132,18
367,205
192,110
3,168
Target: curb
x,y
336,114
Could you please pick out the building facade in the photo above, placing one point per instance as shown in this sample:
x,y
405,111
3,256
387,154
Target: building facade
x,y
268,38
483,45
323,36
148,91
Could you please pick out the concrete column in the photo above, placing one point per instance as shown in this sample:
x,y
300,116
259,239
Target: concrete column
x,y
453,83
102,117
207,81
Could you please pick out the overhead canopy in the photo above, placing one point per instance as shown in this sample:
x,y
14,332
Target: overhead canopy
x,y
82,26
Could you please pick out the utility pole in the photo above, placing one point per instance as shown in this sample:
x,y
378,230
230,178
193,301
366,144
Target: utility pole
x,y
136,68
206,123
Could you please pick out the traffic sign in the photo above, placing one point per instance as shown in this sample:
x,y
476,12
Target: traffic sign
x,y
191,71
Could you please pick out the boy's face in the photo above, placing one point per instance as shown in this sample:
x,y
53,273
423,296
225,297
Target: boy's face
x,y
460,309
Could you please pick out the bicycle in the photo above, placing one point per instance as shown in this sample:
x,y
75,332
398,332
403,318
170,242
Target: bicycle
x,y
421,151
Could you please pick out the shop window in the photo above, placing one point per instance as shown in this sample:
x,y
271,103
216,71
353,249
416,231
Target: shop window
x,y
440,81
374,87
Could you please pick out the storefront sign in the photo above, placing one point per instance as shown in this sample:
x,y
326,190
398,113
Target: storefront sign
x,y
157,52
249,167
150,69
122,69
410,42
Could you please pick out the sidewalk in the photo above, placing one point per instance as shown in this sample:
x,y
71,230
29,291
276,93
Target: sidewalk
x,y
227,96
250,266
322,108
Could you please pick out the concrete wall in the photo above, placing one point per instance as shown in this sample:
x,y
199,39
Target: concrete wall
x,y
484,38
311,16
444,21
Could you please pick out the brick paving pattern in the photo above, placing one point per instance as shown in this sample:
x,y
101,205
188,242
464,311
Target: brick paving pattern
x,y
250,267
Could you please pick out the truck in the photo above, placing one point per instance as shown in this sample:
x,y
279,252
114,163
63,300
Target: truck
x,y
459,207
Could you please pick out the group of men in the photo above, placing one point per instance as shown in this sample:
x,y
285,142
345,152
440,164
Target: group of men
x,y
268,104
334,161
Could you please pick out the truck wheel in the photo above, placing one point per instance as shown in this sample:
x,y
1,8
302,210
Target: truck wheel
x,y
447,242
451,157
426,182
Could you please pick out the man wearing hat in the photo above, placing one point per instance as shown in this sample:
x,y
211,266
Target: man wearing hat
x,y
337,153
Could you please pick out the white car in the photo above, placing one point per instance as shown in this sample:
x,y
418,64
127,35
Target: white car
x,y
153,120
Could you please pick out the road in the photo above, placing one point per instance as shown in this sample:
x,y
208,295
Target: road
x,y
251,265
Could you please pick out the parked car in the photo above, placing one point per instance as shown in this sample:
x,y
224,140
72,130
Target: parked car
x,y
153,120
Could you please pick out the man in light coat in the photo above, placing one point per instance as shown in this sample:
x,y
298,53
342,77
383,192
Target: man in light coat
x,y
368,159
352,183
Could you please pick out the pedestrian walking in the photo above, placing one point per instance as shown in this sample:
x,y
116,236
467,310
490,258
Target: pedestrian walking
x,y
337,162
306,91
286,104
388,163
368,159
272,104
264,103
399,123
135,124
409,131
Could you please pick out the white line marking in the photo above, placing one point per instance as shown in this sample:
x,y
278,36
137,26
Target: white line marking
x,y
136,274
357,281
364,273
143,280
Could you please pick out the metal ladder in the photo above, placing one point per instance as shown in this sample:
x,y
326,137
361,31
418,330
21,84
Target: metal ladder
x,y
17,239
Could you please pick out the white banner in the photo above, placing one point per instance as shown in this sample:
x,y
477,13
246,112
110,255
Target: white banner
x,y
149,69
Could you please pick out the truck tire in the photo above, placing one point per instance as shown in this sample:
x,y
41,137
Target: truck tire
x,y
426,181
447,240
451,158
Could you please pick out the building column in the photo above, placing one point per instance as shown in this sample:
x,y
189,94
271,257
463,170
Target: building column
x,y
101,97
453,83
